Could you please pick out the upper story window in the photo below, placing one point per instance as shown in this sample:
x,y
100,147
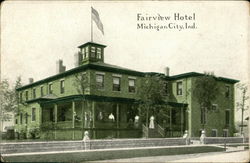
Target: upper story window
x,y
26,95
93,50
33,114
21,118
131,85
34,92
99,53
99,81
42,93
26,118
116,84
21,97
214,107
166,88
179,88
50,88
62,87
227,93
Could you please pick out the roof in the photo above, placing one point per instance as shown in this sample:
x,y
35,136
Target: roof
x,y
91,43
196,74
100,66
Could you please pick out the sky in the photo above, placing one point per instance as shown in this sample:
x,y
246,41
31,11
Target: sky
x,y
34,35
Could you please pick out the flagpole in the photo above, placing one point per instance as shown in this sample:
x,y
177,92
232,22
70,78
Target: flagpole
x,y
91,26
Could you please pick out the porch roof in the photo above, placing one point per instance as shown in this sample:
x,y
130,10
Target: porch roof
x,y
43,101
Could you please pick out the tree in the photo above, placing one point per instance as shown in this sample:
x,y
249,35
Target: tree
x,y
241,105
8,99
206,90
152,95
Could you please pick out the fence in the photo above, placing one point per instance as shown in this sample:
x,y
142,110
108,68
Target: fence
x,y
222,140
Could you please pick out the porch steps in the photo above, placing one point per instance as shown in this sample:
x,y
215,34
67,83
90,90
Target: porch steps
x,y
153,133
7,148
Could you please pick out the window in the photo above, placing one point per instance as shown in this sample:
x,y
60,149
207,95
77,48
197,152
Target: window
x,y
33,116
227,91
21,118
116,84
42,91
26,118
99,81
179,88
83,53
214,133
225,133
165,88
203,116
26,95
87,52
99,53
131,85
92,52
16,121
50,88
21,97
214,107
227,114
62,86
34,92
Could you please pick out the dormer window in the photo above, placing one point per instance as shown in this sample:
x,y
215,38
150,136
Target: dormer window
x,y
92,52
99,53
83,53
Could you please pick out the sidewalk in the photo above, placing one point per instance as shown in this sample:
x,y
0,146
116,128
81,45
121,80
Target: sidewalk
x,y
242,156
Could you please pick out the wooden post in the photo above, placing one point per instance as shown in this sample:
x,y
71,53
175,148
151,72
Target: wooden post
x,y
93,118
83,118
181,120
55,118
170,123
73,119
117,119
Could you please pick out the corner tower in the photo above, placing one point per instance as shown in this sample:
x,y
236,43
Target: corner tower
x,y
91,52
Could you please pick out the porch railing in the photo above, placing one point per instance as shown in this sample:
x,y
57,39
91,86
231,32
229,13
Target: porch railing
x,y
161,130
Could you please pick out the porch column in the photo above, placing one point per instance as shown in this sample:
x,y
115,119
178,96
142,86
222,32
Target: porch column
x,y
40,116
55,111
181,120
117,115
73,114
170,123
55,117
117,120
73,119
93,118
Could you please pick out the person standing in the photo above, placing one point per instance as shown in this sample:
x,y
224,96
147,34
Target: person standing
x,y
151,123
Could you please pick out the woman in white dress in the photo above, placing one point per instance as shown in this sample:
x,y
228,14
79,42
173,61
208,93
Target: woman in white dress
x,y
151,123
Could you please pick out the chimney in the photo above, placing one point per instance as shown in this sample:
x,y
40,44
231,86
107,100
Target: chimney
x,y
31,80
167,71
59,66
78,58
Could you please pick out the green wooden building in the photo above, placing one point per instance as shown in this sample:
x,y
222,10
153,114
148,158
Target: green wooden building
x,y
103,99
